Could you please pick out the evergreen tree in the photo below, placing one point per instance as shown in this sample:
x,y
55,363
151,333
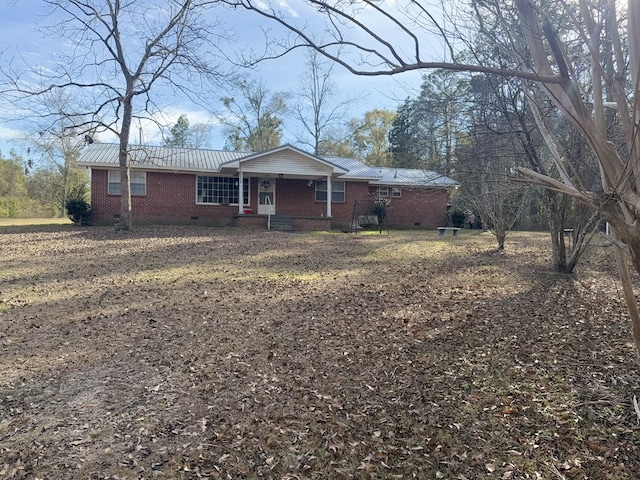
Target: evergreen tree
x,y
180,134
403,146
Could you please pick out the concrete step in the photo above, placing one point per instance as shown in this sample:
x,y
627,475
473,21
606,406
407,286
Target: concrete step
x,y
281,222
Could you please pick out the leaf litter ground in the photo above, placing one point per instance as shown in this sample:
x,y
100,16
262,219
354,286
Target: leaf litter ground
x,y
186,352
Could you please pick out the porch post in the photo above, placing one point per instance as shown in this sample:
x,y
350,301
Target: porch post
x,y
240,191
329,195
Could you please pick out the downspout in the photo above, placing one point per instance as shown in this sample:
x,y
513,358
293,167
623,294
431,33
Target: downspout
x,y
329,195
240,190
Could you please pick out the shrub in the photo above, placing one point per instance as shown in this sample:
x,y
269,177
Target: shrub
x,y
78,208
458,218
380,210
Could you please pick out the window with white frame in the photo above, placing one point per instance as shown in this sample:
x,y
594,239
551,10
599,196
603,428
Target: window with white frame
x,y
383,192
337,191
396,192
221,190
137,181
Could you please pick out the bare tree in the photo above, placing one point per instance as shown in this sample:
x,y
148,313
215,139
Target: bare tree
x,y
502,108
116,52
487,164
548,27
315,108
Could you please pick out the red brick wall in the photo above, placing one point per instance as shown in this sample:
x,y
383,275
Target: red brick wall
x,y
296,197
417,208
171,198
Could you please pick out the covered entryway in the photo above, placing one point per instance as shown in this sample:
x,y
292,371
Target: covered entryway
x,y
266,196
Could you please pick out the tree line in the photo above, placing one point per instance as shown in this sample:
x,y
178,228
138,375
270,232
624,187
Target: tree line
x,y
42,192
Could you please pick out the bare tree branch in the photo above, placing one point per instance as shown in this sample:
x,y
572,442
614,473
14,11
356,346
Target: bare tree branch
x,y
121,50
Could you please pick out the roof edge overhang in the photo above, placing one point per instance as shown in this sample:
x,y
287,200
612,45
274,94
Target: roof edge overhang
x,y
358,178
147,168
381,182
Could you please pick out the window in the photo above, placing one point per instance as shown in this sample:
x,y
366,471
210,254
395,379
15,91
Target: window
x,y
383,192
396,192
337,191
137,180
221,190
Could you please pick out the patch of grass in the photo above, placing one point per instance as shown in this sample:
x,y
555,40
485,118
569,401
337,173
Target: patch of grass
x,y
14,222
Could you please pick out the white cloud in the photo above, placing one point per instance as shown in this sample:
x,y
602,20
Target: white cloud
x,y
286,7
282,5
10,133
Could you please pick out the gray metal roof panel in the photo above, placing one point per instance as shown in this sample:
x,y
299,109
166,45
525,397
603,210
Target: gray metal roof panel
x,y
155,157
355,168
413,177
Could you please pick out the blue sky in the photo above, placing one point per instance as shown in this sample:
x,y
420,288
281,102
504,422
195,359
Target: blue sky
x,y
19,37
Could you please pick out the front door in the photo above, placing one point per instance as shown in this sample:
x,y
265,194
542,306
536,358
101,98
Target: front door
x,y
267,196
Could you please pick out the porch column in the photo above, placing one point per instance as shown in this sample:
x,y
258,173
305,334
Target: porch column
x,y
329,196
240,191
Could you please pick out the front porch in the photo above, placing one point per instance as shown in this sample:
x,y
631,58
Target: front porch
x,y
300,223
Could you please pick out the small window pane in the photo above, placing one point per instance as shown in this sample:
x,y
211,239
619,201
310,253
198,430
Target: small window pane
x,y
138,177
337,197
337,191
396,192
138,189
137,180
114,188
113,185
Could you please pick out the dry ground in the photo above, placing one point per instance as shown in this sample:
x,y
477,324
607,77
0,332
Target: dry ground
x,y
184,352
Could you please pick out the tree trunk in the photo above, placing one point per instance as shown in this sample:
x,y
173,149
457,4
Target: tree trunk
x,y
501,236
629,296
629,235
124,160
556,212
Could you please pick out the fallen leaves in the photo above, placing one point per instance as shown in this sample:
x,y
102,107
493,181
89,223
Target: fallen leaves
x,y
216,353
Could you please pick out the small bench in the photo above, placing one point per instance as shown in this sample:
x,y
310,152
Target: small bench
x,y
442,230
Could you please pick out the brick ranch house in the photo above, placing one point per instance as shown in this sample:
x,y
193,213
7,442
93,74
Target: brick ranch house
x,y
284,187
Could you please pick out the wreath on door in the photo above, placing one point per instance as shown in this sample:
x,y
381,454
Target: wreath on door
x,y
266,184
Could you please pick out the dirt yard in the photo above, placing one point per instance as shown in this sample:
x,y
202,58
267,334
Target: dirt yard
x,y
191,352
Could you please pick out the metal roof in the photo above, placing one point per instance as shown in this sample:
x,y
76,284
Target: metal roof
x,y
201,160
412,177
355,168
153,157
